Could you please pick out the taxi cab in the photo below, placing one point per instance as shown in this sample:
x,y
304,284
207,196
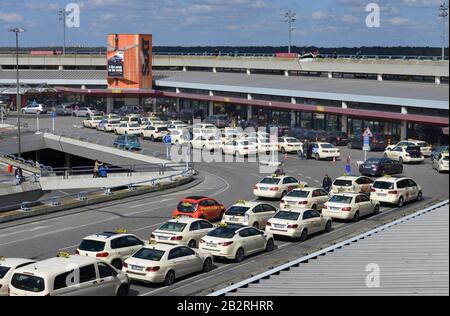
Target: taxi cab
x,y
289,145
409,154
199,207
396,190
235,242
7,268
350,206
110,247
425,148
254,214
352,184
298,224
68,275
93,121
182,231
276,187
440,163
160,263
305,198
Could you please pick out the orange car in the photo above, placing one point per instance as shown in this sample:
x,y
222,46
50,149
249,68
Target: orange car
x,y
200,207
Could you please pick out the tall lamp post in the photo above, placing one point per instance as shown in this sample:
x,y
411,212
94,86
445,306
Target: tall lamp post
x,y
443,13
290,17
18,97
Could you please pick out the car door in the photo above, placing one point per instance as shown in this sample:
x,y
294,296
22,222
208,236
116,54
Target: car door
x,y
364,205
258,239
107,279
133,244
316,221
247,242
413,189
89,282
191,261
204,228
269,212
175,260
308,222
324,197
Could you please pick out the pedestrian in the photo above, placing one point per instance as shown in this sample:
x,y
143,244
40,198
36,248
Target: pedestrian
x,y
306,148
103,171
280,172
19,175
327,183
96,168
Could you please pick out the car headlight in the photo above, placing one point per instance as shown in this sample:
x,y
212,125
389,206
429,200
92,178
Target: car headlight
x,y
246,217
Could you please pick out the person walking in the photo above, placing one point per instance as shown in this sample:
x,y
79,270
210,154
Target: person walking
x,y
19,176
103,171
306,148
96,168
327,183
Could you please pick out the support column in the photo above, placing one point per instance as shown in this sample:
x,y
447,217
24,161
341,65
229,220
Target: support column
x,y
380,77
67,160
292,118
437,80
211,108
249,112
344,123
249,72
404,130
330,75
286,73
214,70
109,105
177,105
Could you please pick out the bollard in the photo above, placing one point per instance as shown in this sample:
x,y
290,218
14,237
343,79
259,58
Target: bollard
x,y
108,192
131,187
25,207
55,201
82,196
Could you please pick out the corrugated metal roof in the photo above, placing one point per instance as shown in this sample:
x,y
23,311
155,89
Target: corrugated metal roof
x,y
413,258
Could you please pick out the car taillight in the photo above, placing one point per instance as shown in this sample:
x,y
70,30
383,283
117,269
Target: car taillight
x,y
269,224
202,241
274,189
256,188
225,244
346,209
178,238
325,207
125,265
283,201
292,226
393,192
302,202
77,252
152,236
152,269
373,190
102,255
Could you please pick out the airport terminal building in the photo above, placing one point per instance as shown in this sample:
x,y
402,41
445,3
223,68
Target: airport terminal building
x,y
407,98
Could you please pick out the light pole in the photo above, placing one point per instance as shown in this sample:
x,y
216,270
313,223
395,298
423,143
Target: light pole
x,y
62,17
18,97
290,18
443,13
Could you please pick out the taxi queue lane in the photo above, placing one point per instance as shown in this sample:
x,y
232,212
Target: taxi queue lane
x,y
227,190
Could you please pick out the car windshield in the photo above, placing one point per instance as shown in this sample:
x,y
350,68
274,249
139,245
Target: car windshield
x,y
173,227
237,210
270,181
298,194
149,254
327,146
223,232
92,245
3,271
28,283
244,143
288,216
292,140
342,183
187,207
341,199
383,185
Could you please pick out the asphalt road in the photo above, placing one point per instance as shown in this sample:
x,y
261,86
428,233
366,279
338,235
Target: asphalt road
x,y
43,237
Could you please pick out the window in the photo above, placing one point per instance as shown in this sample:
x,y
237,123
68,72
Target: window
x,y
87,274
175,253
205,225
324,193
133,241
306,215
258,209
120,242
412,184
317,193
62,281
105,271
244,233
363,198
253,232
314,214
195,226
185,252
402,184
269,208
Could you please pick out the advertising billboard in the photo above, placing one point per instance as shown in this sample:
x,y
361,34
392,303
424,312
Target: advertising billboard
x,y
116,65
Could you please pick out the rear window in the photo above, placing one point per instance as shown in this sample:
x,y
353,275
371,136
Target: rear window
x,y
149,254
270,181
299,194
3,271
28,283
222,232
237,210
445,158
292,140
422,144
382,185
289,216
134,125
373,161
92,245
186,207
327,146
341,199
343,183
173,227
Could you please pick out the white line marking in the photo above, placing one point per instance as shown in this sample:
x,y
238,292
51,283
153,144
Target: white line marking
x,y
149,203
241,265
144,228
148,293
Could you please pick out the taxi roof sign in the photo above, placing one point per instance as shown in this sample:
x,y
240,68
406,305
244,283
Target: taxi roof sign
x,y
2,258
64,255
121,231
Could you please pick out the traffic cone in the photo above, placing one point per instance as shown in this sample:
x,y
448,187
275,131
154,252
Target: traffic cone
x,y
286,157
334,160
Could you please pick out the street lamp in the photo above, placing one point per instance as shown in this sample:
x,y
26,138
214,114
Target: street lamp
x,y
18,97
290,17
443,13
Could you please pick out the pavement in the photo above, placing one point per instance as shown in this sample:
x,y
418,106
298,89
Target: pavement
x,y
43,237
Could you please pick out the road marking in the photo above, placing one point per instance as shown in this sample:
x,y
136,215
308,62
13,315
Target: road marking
x,y
143,228
67,248
148,293
241,265
257,176
29,230
149,203
65,193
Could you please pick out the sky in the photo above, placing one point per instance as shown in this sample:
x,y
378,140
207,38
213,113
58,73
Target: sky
x,y
323,23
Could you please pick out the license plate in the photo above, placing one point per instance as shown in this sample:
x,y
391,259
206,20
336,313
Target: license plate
x,y
291,203
382,194
163,238
137,268
279,226
210,244
264,189
334,209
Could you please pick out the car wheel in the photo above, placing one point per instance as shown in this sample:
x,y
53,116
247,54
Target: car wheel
x,y
420,196
117,264
317,157
123,291
350,146
207,265
256,225
170,278
329,227
283,150
192,244
283,194
239,255
356,218
270,246
401,202
304,235
377,209
400,160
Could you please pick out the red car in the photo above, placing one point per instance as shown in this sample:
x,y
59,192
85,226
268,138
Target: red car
x,y
200,207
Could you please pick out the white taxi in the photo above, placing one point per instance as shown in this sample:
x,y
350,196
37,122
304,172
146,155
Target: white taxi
x,y
157,132
425,148
298,224
350,206
111,247
206,143
410,154
352,184
441,163
93,121
289,145
235,242
179,137
324,151
240,148
254,214
276,187
306,198
182,231
129,129
264,145
7,268
396,190
159,263
108,125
